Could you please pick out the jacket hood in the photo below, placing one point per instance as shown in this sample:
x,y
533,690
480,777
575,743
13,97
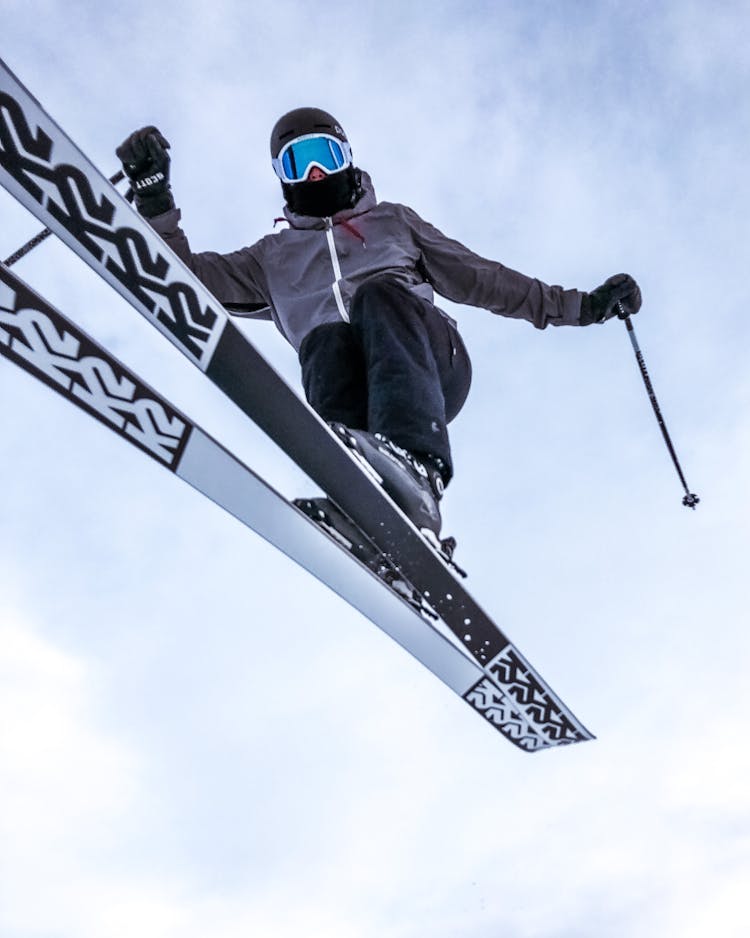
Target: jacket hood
x,y
364,204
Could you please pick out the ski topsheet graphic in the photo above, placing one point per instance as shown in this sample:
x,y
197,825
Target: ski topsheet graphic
x,y
48,174
47,170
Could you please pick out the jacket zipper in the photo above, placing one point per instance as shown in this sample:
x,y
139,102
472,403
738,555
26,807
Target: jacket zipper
x,y
336,287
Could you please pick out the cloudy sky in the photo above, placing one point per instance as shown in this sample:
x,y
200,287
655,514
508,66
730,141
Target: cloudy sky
x,y
196,737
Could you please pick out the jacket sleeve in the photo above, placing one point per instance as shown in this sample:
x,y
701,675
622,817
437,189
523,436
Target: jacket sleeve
x,y
237,280
459,275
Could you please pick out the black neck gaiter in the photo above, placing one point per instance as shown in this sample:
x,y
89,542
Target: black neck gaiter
x,y
325,197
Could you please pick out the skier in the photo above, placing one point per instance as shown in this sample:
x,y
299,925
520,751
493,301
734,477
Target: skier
x,y
350,284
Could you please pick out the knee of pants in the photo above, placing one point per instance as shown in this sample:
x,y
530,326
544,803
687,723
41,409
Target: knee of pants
x,y
382,293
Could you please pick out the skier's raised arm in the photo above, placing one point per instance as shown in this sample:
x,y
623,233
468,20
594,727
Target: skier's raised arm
x,y
235,279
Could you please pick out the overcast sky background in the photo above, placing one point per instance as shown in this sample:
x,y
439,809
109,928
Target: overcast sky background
x,y
196,737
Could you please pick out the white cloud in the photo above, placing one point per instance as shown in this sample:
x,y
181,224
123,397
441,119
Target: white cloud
x,y
66,784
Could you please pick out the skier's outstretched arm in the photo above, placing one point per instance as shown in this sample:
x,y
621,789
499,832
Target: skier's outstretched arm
x,y
464,277
237,279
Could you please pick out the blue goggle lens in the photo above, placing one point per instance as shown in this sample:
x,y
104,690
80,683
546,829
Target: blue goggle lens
x,y
299,156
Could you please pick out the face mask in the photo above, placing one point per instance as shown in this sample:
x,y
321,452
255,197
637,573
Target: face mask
x,y
325,197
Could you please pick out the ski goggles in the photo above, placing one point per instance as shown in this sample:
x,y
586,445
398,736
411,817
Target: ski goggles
x,y
298,157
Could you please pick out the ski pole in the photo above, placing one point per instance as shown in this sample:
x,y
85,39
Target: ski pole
x,y
45,232
690,500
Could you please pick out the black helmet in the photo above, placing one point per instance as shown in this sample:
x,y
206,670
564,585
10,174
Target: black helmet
x,y
301,121
321,199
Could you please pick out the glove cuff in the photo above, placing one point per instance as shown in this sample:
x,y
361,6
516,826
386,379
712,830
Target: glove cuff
x,y
589,314
155,204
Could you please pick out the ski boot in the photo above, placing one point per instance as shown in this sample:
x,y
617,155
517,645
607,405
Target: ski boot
x,y
415,487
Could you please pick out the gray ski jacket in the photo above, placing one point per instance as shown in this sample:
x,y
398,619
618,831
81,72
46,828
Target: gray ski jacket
x,y
306,274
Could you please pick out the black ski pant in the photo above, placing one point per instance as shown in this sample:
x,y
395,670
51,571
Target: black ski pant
x,y
398,367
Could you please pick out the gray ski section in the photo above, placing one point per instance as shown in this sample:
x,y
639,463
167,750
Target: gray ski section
x,y
212,470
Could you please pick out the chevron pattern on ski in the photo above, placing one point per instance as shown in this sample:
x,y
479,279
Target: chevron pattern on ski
x,y
73,365
503,713
492,704
100,227
536,702
523,709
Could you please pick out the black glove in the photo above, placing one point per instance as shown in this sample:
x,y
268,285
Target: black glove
x,y
601,304
146,164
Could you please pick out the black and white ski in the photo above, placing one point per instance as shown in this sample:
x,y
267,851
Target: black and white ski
x,y
53,349
49,175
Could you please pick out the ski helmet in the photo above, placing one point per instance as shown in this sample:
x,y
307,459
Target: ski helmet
x,y
340,189
303,121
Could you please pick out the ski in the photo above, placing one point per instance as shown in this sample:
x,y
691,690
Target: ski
x,y
52,178
50,347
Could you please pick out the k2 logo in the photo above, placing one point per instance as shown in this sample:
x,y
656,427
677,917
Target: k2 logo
x,y
64,190
42,342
